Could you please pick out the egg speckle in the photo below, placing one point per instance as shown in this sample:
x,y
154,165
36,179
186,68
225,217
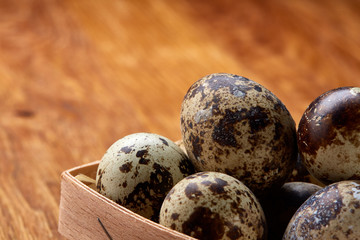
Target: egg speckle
x,y
329,135
331,213
138,170
212,205
233,125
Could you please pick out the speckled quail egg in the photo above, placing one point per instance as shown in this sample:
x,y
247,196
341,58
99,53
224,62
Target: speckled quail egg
x,y
212,205
329,135
138,170
331,213
234,125
280,205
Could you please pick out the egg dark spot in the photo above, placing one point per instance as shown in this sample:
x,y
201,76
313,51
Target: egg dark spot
x,y
175,216
126,149
164,141
204,224
349,232
234,232
190,125
98,185
182,122
243,215
196,145
192,191
144,161
218,186
142,155
258,88
258,118
206,183
191,177
224,131
125,168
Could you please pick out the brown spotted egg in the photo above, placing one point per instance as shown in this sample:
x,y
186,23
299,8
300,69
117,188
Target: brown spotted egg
x,y
331,213
138,171
234,125
212,205
329,135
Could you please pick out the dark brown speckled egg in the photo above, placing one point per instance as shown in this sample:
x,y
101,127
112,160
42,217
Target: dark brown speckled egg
x,y
138,171
212,205
233,125
280,205
331,213
329,135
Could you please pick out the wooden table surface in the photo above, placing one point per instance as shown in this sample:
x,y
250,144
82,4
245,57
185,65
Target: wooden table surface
x,y
75,76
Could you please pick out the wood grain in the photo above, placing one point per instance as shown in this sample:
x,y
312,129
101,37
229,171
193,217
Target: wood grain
x,y
77,75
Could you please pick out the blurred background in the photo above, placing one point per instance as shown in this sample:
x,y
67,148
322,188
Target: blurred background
x,y
75,76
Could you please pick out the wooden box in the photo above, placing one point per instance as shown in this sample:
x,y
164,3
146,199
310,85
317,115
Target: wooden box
x,y
86,214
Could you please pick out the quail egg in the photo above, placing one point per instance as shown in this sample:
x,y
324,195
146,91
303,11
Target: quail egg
x,y
280,205
331,213
212,205
138,170
233,125
329,135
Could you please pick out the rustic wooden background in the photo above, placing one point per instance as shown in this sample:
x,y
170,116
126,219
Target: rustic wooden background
x,y
75,76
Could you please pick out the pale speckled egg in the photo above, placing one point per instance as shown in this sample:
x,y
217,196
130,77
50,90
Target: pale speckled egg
x,y
329,135
331,213
212,205
138,171
234,125
280,205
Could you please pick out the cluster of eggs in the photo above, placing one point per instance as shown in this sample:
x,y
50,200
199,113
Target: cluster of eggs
x,y
236,176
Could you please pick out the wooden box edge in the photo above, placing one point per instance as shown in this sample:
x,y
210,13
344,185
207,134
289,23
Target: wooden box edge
x,y
82,211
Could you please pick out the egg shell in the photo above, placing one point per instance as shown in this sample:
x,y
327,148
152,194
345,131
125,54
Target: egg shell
x,y
138,170
280,205
212,205
301,174
233,125
331,213
329,135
